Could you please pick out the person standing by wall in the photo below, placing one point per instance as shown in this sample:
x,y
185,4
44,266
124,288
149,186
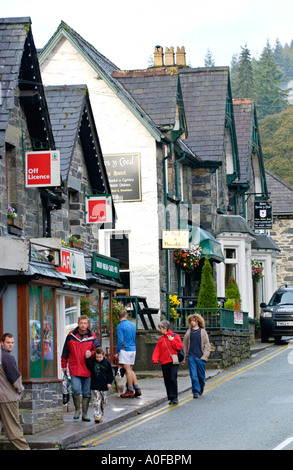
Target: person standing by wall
x,y
197,348
168,344
126,352
10,393
77,342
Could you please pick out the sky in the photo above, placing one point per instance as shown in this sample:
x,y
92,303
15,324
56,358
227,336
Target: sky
x,y
126,32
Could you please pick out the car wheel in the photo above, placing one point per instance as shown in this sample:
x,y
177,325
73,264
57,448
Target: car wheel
x,y
264,337
278,339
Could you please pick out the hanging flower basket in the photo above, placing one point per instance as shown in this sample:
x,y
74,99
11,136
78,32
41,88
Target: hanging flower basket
x,y
188,260
256,270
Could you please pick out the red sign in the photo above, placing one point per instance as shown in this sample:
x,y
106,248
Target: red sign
x,y
98,209
42,168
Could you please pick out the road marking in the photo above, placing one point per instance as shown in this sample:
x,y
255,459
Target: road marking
x,y
283,444
167,408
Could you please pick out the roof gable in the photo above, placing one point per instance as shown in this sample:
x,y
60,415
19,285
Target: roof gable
x,y
71,117
104,68
281,195
20,67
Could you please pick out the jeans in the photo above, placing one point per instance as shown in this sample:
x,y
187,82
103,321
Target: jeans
x,y
81,385
197,368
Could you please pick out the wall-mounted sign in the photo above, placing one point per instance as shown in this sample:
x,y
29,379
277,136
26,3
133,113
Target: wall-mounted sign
x,y
262,215
98,209
123,172
72,264
175,239
238,318
105,265
42,169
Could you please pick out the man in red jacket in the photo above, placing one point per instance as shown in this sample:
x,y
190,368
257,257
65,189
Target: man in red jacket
x,y
77,342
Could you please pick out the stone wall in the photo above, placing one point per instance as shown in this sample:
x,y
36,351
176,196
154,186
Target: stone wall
x,y
228,348
41,406
282,234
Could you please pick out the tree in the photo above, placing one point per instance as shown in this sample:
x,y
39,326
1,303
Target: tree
x,y
269,96
207,297
243,86
232,293
208,60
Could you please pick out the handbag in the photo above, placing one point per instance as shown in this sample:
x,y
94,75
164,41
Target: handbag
x,y
173,356
181,353
65,389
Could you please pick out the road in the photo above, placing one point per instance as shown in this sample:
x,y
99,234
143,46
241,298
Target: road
x,y
249,407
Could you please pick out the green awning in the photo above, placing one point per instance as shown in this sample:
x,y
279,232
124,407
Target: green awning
x,y
210,247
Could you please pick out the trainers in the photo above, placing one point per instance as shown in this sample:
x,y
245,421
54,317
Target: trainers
x,y
137,392
127,394
98,420
195,395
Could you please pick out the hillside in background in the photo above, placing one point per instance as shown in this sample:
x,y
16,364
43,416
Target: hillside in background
x,y
276,133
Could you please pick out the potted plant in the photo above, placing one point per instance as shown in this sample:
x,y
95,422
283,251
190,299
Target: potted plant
x,y
12,218
75,242
174,303
188,259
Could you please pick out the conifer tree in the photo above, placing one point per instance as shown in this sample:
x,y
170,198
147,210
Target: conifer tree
x,y
207,297
208,60
270,98
243,81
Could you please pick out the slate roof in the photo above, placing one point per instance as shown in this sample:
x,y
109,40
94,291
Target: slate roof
x,y
66,105
156,92
71,114
13,34
205,93
281,195
19,66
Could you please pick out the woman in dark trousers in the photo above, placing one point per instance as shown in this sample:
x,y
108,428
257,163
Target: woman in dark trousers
x,y
168,344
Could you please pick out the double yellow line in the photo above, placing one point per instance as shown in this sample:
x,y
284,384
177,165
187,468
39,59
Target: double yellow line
x,y
167,408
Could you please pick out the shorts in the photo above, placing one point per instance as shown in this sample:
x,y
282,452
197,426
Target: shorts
x,y
126,357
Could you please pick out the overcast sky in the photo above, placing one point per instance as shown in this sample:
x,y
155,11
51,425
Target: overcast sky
x,y
126,32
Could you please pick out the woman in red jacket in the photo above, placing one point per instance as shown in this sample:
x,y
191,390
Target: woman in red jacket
x,y
168,344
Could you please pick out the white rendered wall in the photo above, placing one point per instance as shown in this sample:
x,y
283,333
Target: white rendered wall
x,y
119,132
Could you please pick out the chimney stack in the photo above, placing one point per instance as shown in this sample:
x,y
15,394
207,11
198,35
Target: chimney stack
x,y
180,56
158,59
169,56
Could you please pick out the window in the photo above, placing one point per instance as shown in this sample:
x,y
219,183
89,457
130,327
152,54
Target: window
x,y
41,328
230,264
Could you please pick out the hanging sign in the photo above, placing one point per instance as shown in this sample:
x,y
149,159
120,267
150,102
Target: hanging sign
x,y
175,239
105,265
72,264
98,209
262,215
42,169
123,172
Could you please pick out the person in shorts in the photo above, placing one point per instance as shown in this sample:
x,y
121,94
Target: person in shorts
x,y
126,352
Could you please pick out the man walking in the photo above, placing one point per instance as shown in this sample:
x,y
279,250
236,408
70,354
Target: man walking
x,y
10,393
126,352
77,342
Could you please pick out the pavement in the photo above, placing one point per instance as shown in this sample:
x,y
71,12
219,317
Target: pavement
x,y
117,410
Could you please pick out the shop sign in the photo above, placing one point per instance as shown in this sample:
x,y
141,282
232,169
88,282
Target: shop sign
x,y
123,172
105,265
262,215
42,169
98,209
175,239
72,264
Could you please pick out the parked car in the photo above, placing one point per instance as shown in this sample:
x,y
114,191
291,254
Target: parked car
x,y
276,318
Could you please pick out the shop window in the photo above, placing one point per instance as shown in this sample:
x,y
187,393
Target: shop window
x,y
41,328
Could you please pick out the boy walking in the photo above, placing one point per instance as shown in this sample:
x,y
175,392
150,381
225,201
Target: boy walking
x,y
101,380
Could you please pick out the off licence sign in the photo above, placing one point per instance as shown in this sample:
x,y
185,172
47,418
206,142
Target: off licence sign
x,y
42,169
